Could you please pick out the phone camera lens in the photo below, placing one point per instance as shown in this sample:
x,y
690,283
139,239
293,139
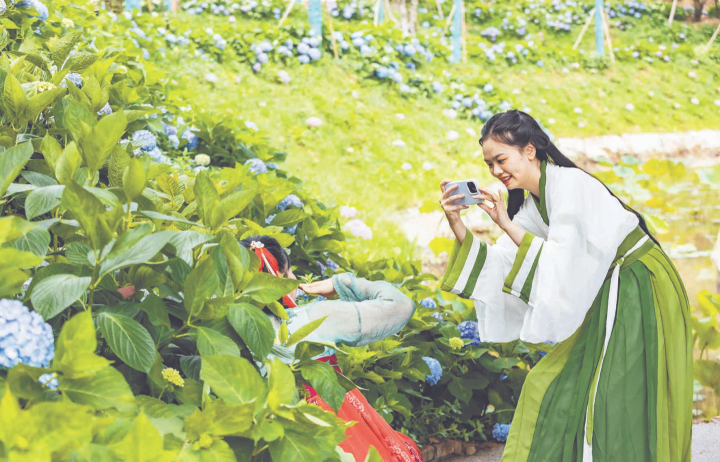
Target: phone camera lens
x,y
471,187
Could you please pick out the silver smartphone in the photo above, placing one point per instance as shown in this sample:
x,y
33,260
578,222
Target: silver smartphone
x,y
467,187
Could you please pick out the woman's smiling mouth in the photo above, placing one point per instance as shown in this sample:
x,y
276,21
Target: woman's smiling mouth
x,y
506,179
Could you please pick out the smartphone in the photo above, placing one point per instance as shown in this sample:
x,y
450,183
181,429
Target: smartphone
x,y
467,187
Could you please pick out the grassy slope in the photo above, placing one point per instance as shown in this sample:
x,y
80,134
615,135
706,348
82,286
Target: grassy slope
x,y
371,178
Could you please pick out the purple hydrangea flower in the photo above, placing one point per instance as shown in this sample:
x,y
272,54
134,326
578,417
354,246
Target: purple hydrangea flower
x,y
469,330
500,432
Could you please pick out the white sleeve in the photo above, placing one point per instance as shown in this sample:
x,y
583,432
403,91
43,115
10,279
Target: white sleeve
x,y
560,277
477,270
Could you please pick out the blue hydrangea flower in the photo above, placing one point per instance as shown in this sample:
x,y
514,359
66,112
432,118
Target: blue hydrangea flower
x,y
435,370
500,432
304,59
469,330
75,78
269,218
3,7
106,110
24,336
272,165
191,138
257,166
290,199
428,303
332,265
503,376
170,129
437,315
38,6
291,230
145,140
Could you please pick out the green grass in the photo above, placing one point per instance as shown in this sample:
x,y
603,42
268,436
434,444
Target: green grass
x,y
370,177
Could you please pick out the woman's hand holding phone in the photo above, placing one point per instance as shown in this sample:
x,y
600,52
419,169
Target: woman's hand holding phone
x,y
452,212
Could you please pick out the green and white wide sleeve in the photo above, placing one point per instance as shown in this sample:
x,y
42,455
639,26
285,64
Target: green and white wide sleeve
x,y
559,277
476,271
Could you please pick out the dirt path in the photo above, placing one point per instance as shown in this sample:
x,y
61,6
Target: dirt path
x,y
705,447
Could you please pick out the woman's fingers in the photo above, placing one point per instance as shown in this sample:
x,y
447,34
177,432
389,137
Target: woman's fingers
x,y
446,192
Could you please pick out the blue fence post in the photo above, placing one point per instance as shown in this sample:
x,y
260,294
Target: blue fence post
x,y
132,4
599,35
457,32
315,17
380,11
168,5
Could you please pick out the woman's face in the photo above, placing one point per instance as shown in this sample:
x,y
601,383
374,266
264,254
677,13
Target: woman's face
x,y
513,166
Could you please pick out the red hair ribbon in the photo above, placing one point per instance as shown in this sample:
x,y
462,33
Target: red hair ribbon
x,y
268,261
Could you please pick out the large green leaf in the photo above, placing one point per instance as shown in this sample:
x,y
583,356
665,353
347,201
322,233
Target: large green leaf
x,y
97,223
11,162
135,177
143,443
281,384
41,101
211,342
140,252
128,339
61,49
35,241
708,374
79,61
288,218
236,257
233,379
185,241
14,98
230,206
55,293
219,419
105,389
68,163
43,200
51,150
200,285
206,197
266,288
102,139
220,451
323,379
304,331
254,327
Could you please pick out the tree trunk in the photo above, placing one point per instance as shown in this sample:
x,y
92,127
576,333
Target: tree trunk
x,y
413,17
698,4
116,6
404,23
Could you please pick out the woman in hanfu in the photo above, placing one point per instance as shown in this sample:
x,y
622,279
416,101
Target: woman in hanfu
x,y
366,311
578,267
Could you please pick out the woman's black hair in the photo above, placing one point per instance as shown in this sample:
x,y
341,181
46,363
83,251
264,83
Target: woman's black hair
x,y
273,247
516,128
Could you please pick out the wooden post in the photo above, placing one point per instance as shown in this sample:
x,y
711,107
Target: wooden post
x,y
464,34
449,19
599,39
287,12
712,39
606,27
440,11
672,13
332,31
585,28
149,5
389,12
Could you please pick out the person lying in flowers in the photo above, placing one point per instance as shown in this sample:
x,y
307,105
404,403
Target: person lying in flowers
x,y
365,312
578,267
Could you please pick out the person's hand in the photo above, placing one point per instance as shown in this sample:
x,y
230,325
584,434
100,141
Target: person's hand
x,y
452,212
494,206
324,288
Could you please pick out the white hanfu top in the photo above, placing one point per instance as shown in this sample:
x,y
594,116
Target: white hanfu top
x,y
542,290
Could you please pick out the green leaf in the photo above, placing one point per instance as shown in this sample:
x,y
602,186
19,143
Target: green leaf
x,y
79,61
119,159
68,164
288,218
185,241
93,453
206,197
97,223
236,257
36,241
708,374
14,98
200,285
143,443
128,339
80,254
254,327
156,310
141,252
61,49
233,379
23,381
80,122
163,217
103,137
43,200
281,384
77,336
191,393
373,455
219,419
266,288
37,179
220,451
41,101
304,331
11,162
211,342
230,206
55,293
105,389
135,177
323,379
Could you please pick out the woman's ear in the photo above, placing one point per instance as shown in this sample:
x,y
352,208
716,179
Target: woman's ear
x,y
530,151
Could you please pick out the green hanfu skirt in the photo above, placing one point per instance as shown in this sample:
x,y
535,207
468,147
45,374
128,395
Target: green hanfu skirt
x,y
642,409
